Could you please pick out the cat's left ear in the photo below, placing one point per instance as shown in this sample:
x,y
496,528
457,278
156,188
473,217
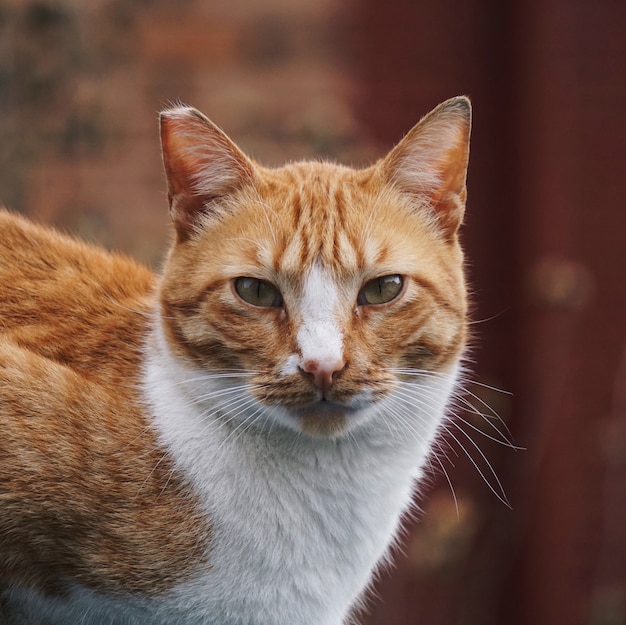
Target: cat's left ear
x,y
430,162
202,166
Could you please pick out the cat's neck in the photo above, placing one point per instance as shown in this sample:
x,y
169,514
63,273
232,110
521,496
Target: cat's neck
x,y
314,508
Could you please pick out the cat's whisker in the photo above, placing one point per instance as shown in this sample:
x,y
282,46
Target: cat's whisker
x,y
415,398
217,393
401,406
415,395
246,423
435,443
505,438
268,422
413,371
459,396
392,409
226,410
217,375
494,414
499,492
483,385
487,319
462,403
500,441
449,481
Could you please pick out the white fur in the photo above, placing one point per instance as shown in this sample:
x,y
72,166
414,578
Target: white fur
x,y
298,524
319,336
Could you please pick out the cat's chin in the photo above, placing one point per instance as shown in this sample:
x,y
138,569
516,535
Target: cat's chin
x,y
324,419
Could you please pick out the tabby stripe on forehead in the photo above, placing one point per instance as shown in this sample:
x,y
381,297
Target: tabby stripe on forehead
x,y
383,253
296,204
327,224
304,228
339,205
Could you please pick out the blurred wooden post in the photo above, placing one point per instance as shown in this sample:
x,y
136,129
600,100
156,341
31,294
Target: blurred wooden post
x,y
546,240
571,566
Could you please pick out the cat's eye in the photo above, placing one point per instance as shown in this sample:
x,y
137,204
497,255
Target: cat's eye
x,y
380,290
258,292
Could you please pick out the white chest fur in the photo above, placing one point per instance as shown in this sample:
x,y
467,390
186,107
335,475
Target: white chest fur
x,y
298,524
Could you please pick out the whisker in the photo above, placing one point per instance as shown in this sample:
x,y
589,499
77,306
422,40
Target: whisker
x,y
487,386
496,316
505,437
227,374
200,399
456,502
459,397
488,418
500,495
460,402
502,441
245,424
421,398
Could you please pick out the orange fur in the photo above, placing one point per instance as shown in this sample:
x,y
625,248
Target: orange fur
x,y
88,490
84,491
276,224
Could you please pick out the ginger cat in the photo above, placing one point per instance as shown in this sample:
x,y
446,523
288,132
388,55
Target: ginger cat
x,y
232,442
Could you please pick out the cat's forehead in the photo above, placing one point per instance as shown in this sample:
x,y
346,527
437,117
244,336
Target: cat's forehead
x,y
323,214
345,221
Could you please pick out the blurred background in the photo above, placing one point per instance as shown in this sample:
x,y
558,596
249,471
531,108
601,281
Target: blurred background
x,y
80,87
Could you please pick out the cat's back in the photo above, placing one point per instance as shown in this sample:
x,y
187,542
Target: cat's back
x,y
32,251
75,440
68,301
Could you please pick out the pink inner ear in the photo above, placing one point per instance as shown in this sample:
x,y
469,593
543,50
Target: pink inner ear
x,y
430,163
449,199
201,164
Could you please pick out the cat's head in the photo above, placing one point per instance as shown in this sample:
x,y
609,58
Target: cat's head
x,y
325,291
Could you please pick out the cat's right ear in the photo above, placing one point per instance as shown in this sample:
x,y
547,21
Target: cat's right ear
x,y
202,166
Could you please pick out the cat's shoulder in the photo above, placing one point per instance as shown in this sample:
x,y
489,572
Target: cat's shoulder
x,y
36,250
70,302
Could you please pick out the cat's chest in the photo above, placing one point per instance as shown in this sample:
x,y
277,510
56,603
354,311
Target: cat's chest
x,y
287,497
296,526
293,538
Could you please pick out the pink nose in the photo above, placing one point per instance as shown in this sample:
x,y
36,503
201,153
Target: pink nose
x,y
323,372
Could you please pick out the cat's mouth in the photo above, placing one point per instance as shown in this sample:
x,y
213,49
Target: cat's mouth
x,y
325,418
319,414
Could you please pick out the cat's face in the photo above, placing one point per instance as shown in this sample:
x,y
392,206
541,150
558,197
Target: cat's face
x,y
324,289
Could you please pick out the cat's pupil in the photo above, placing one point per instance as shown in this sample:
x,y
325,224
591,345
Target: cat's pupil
x,y
258,292
381,290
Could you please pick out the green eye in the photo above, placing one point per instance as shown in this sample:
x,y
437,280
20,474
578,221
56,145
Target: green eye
x,y
380,290
258,292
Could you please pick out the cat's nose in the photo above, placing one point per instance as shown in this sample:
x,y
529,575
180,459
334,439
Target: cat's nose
x,y
323,372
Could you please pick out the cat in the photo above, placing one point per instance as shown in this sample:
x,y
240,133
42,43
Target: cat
x,y
233,442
